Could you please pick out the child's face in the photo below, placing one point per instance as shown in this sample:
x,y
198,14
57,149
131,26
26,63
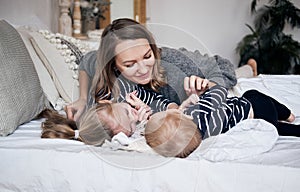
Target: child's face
x,y
124,118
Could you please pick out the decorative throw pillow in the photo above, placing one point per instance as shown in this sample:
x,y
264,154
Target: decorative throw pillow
x,y
21,95
60,55
44,77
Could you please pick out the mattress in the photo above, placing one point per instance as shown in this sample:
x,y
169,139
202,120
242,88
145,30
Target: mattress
x,y
29,163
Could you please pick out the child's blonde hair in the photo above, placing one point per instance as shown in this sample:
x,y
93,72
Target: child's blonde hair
x,y
172,134
92,130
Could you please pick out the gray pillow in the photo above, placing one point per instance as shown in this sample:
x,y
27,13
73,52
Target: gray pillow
x,y
21,95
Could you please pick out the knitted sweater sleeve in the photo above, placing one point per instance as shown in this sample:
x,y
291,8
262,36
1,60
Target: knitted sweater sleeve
x,y
216,69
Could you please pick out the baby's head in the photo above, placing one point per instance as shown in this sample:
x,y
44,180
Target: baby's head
x,y
172,134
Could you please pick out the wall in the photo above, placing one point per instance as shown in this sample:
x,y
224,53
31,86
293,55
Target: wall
x,y
37,13
217,25
117,9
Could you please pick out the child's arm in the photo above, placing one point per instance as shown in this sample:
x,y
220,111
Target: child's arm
x,y
191,100
209,113
155,100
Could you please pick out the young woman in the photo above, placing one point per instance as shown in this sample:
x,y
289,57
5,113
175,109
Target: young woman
x,y
128,56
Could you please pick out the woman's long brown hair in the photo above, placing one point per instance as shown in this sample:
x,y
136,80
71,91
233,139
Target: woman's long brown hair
x,y
105,77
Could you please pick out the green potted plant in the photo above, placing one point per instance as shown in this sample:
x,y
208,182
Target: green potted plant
x,y
274,51
91,12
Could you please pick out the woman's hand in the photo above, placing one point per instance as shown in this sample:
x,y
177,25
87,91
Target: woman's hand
x,y
144,111
191,100
75,109
196,85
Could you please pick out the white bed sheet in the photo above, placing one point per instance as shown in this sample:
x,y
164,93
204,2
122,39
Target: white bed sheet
x,y
284,88
29,163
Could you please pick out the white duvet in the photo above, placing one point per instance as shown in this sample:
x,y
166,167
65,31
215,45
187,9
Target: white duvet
x,y
250,157
248,138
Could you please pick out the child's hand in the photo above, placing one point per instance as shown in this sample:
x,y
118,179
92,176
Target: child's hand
x,y
134,101
144,111
192,99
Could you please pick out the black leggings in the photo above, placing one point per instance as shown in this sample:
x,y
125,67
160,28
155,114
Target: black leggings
x,y
267,108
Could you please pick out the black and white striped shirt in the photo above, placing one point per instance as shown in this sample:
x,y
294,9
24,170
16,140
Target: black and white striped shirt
x,y
156,101
214,113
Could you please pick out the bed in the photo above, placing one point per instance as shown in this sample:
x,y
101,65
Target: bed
x,y
29,163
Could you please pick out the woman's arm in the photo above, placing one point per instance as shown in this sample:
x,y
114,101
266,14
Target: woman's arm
x,y
86,73
76,108
215,68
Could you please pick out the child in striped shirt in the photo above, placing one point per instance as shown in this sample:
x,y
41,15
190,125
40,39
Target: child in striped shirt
x,y
178,132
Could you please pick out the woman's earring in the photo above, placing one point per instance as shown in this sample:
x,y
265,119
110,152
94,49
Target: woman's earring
x,y
117,71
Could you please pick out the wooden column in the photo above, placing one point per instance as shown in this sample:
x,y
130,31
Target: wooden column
x,y
65,21
77,19
140,11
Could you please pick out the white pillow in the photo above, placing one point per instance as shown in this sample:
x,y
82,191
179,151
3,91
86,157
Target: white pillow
x,y
45,79
60,55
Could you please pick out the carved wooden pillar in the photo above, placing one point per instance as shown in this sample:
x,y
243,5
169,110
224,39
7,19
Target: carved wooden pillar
x,y
77,19
140,11
65,21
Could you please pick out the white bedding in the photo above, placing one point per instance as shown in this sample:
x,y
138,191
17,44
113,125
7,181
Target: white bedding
x,y
284,88
29,163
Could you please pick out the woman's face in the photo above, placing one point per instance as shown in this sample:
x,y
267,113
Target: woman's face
x,y
124,118
135,60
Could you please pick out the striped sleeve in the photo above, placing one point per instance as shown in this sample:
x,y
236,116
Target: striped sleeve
x,y
215,113
156,101
209,112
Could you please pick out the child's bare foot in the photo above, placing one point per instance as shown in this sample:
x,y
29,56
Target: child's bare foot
x,y
253,65
291,118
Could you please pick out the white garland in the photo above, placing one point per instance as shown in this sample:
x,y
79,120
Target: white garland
x,y
68,55
65,51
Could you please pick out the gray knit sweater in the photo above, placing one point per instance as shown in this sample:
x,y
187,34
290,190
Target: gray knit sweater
x,y
180,63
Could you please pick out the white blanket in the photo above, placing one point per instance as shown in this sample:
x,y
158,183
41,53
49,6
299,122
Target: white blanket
x,y
248,138
283,88
29,163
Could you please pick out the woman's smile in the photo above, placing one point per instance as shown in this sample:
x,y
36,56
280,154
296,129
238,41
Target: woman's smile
x,y
135,60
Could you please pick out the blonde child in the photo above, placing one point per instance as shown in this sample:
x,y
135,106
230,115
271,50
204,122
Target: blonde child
x,y
106,119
